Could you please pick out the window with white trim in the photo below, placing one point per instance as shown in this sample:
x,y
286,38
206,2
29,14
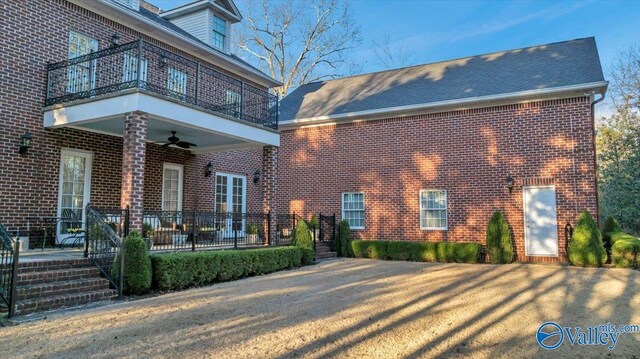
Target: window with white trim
x,y
219,34
130,68
177,81
353,209
433,209
233,103
172,187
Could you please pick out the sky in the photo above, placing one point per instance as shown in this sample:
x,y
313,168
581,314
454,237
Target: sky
x,y
440,30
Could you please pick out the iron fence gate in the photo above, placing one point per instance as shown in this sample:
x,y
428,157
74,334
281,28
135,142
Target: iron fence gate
x,y
9,253
327,231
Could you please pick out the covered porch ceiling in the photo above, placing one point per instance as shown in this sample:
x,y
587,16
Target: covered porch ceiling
x,y
210,132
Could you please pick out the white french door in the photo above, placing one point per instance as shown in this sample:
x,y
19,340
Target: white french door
x,y
172,187
74,188
231,191
81,77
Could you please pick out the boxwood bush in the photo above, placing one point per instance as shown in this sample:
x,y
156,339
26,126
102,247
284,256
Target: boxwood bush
x,y
344,237
175,271
625,250
585,247
417,251
137,266
609,226
302,239
499,244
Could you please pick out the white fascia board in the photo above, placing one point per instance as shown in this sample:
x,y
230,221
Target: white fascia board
x,y
440,106
195,48
183,10
168,111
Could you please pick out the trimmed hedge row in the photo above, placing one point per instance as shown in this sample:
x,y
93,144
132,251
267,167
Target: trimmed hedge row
x,y
625,250
175,271
417,251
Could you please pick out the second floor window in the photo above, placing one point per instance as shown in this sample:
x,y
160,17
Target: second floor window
x,y
176,82
233,103
130,68
219,35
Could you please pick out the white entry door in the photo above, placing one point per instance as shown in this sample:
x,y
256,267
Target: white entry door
x,y
74,189
540,220
231,193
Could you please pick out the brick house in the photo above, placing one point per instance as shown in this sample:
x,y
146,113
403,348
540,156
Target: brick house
x,y
430,152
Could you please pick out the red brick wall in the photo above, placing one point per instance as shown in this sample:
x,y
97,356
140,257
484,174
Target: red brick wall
x,y
468,153
37,31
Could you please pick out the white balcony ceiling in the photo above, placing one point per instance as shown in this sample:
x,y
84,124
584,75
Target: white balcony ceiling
x,y
210,132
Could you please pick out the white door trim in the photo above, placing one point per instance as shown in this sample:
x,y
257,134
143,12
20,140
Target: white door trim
x,y
524,214
180,169
88,155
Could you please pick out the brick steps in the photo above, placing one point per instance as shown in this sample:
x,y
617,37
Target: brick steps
x,y
66,300
59,288
323,251
48,285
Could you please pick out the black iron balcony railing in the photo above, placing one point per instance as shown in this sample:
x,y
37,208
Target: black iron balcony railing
x,y
149,68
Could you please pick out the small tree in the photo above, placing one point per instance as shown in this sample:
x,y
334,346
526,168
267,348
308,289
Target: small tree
x,y
137,266
344,233
302,239
586,248
313,222
610,226
499,243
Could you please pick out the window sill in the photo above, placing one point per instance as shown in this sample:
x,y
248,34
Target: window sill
x,y
433,229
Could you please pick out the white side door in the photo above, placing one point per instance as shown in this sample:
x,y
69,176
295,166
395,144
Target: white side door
x,y
74,186
540,220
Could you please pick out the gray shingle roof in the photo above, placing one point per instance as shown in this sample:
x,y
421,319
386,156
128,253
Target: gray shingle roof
x,y
547,66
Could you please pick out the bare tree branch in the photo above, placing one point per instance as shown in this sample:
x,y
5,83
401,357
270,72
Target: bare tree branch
x,y
392,54
298,42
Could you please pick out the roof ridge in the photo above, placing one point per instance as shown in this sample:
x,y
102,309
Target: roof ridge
x,y
443,61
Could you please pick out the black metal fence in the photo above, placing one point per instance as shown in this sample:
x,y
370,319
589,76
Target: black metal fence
x,y
193,230
327,231
9,255
104,244
147,67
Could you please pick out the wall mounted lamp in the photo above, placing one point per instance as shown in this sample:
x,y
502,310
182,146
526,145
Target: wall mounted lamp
x,y
510,183
256,176
25,143
208,169
115,39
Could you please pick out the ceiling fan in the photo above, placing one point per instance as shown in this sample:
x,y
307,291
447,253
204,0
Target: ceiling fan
x,y
173,140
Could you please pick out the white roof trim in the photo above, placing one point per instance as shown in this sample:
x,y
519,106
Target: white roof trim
x,y
449,105
185,9
225,62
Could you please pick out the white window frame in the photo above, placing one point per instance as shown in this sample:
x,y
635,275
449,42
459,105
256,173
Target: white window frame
x,y
130,68
364,209
180,169
72,71
446,209
234,101
215,31
177,81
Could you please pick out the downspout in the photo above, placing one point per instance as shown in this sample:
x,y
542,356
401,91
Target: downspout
x,y
595,155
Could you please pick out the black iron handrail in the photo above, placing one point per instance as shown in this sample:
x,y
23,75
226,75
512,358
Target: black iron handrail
x,y
104,245
150,68
9,258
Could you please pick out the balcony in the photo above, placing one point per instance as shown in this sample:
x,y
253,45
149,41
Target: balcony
x,y
141,67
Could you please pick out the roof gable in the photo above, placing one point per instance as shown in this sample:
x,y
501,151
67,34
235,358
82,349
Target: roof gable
x,y
548,66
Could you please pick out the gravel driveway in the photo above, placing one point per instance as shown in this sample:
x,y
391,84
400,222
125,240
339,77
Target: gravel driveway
x,y
350,308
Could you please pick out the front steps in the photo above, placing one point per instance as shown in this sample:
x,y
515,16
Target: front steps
x,y
323,251
55,284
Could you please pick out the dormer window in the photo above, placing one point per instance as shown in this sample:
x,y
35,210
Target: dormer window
x,y
219,35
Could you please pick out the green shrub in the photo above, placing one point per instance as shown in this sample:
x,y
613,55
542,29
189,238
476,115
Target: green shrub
x,y
176,271
417,251
499,245
137,266
585,247
252,229
302,239
609,226
313,222
344,236
625,250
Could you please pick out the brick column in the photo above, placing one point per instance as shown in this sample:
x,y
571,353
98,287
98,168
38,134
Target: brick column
x,y
269,181
133,157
